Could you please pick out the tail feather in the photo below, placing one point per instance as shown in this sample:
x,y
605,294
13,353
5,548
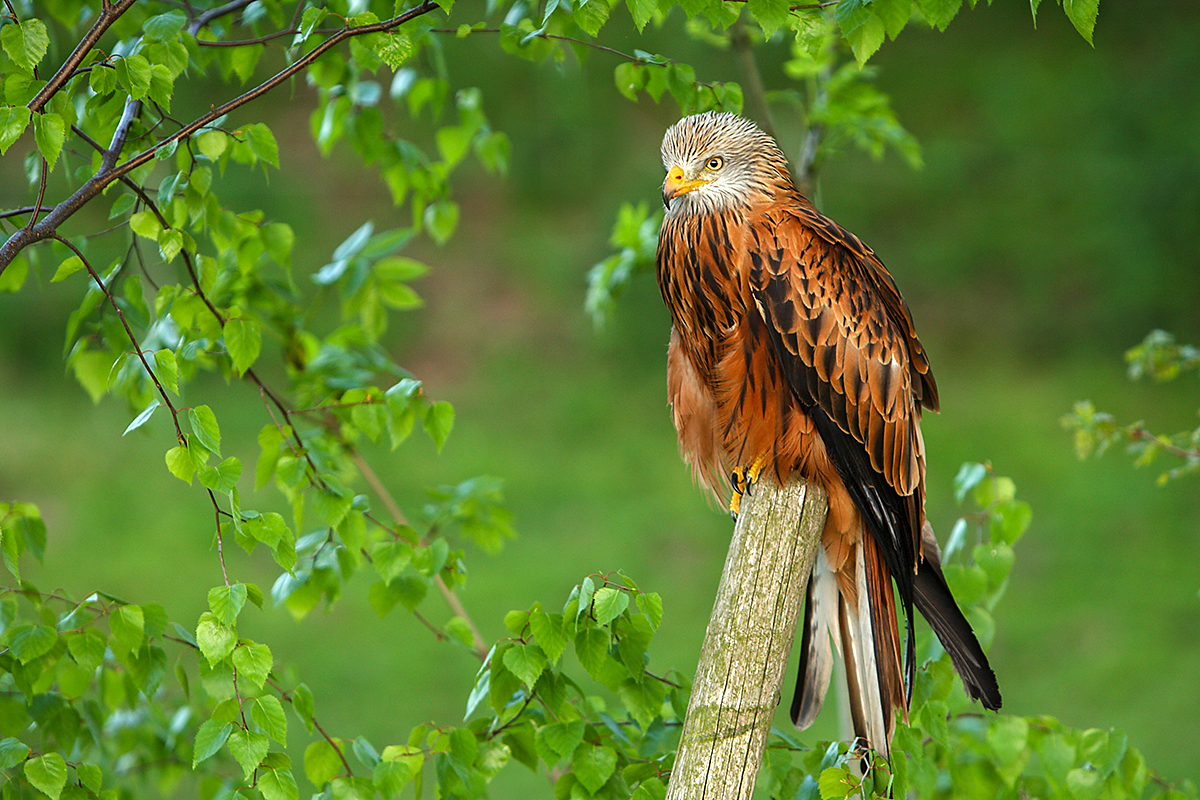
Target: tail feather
x,y
937,605
866,662
816,654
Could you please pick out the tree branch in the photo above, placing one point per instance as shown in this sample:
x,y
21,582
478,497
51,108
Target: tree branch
x,y
48,227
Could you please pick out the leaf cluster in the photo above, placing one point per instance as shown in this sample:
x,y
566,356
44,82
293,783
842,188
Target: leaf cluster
x,y
1094,431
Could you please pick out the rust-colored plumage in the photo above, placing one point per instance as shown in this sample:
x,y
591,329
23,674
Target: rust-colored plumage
x,y
793,351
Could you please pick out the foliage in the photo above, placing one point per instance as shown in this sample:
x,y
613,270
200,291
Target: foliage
x,y
1095,431
106,696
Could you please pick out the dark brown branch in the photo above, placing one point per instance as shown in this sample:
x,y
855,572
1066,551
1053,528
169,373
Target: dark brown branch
x,y
216,13
108,15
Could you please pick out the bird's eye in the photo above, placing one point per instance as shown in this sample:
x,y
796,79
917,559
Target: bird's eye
x,y
715,163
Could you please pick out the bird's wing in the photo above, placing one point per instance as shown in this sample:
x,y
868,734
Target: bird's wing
x,y
845,341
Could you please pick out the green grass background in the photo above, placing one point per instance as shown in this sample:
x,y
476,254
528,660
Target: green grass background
x,y
1056,221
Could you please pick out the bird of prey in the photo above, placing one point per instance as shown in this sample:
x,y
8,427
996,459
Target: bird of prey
x,y
792,351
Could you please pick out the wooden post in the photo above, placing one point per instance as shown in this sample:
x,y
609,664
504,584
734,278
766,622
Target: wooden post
x,y
746,647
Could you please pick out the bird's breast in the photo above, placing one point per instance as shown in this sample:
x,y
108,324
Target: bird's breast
x,y
698,273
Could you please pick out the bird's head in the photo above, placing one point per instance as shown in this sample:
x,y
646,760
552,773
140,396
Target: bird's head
x,y
715,161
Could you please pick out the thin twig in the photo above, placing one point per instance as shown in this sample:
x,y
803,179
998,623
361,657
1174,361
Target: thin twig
x,y
285,696
129,332
452,599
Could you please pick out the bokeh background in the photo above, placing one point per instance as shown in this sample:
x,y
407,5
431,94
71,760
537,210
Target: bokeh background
x,y
1055,222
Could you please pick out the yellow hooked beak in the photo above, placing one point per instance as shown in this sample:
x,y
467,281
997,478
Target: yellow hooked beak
x,y
676,184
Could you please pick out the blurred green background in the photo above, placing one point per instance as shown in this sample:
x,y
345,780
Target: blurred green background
x,y
1056,221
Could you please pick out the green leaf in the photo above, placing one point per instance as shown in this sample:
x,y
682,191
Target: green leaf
x,y
12,752
142,418
164,26
1082,14
205,427
441,218
629,77
102,79
209,740
262,143
67,268
608,604
243,340
128,626
47,773
87,647
559,740
253,662
223,477
26,44
453,142
591,648
167,370
548,631
1085,783
894,13
90,775
770,14
394,48
249,749
593,766
13,121
49,132
302,705
526,661
439,419
28,642
651,605
278,784
267,713
146,225
226,602
1008,737
643,699
938,13
180,464
216,641
642,11
212,143
590,16
321,763
970,474
133,73
865,39
170,242
836,782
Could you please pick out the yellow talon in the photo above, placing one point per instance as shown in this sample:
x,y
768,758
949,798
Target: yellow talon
x,y
741,480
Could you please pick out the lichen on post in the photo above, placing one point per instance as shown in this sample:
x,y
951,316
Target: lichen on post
x,y
746,646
